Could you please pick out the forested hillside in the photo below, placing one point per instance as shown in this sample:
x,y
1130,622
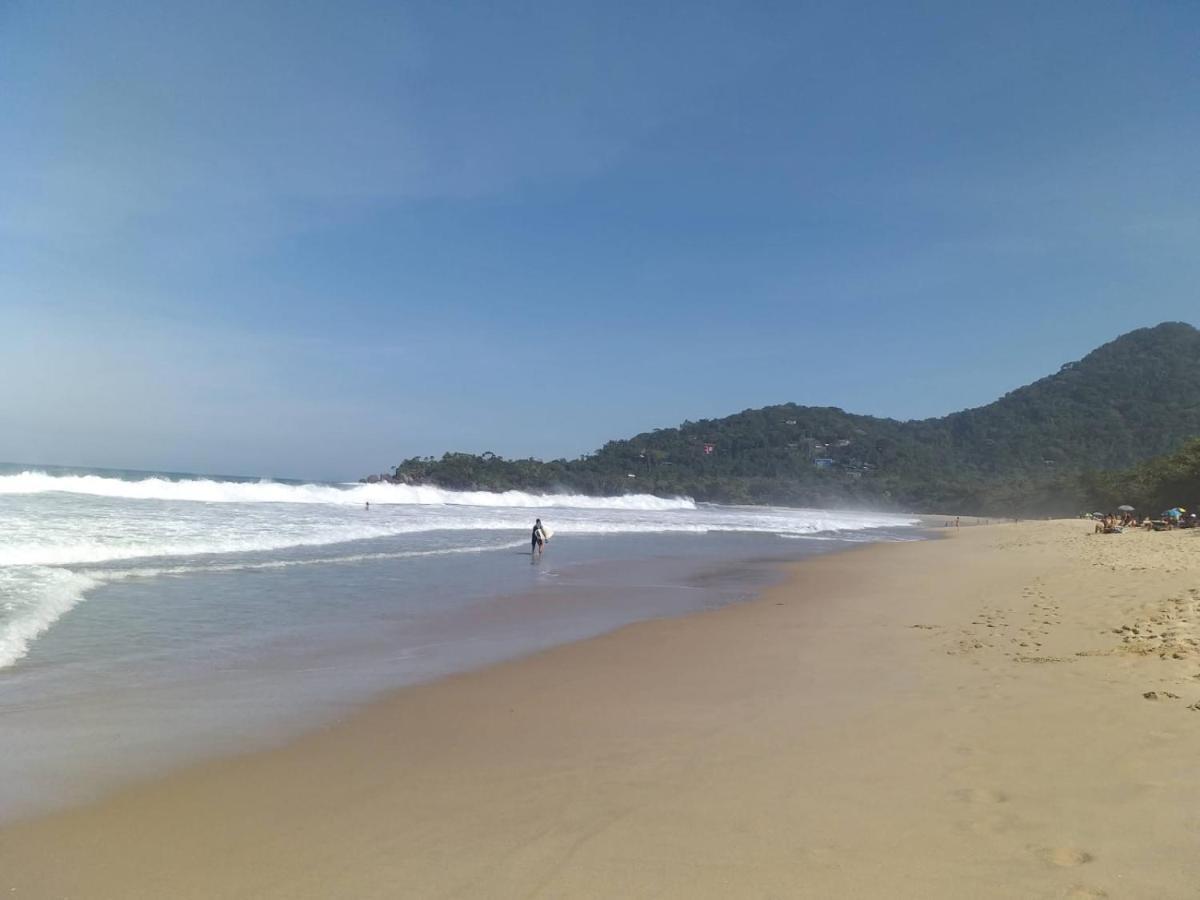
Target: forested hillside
x,y
1149,487
1132,399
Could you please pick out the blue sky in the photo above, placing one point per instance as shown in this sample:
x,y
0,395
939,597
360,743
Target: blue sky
x,y
312,239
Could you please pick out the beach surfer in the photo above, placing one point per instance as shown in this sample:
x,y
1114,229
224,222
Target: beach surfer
x,y
538,542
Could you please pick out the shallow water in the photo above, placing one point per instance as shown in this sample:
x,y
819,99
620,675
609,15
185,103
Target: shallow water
x,y
140,629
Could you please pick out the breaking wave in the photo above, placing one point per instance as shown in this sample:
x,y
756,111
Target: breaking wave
x,y
156,525
207,490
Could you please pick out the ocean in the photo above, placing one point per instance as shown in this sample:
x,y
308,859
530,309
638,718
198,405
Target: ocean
x,y
151,619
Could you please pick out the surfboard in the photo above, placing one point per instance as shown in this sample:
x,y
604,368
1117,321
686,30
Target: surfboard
x,y
547,533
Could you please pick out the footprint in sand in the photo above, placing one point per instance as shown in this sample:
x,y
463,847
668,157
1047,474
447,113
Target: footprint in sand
x,y
1066,857
1162,735
994,824
1084,892
981,795
1042,659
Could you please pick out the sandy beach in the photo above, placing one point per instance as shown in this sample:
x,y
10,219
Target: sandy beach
x,y
1011,712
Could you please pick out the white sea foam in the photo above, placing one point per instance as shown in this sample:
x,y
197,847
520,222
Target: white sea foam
x,y
103,548
247,566
33,599
53,549
205,490
64,534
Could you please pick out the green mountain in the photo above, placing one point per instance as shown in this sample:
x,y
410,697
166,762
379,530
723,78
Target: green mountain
x,y
1132,399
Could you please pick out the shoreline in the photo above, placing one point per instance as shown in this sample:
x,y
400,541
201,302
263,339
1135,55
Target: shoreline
x,y
153,727
934,718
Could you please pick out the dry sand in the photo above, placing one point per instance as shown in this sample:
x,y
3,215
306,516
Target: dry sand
x,y
1007,713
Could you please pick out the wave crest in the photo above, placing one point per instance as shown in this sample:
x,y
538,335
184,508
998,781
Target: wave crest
x,y
207,490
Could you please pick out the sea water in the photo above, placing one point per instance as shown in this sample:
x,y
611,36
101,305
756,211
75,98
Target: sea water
x,y
149,619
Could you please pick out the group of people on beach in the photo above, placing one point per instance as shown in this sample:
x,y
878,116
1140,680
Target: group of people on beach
x,y
1115,523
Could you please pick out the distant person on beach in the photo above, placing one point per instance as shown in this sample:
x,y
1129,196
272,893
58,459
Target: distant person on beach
x,y
956,522
368,506
538,543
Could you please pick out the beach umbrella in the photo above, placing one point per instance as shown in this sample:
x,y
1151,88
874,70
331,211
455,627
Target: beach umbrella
x,y
1125,508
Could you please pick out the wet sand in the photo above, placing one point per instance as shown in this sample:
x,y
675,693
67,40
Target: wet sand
x,y
1012,712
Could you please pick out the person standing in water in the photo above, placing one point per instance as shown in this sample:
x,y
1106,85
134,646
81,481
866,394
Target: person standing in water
x,y
538,541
